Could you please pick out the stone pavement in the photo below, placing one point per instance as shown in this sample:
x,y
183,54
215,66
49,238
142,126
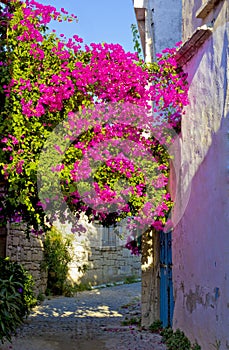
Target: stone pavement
x,y
90,321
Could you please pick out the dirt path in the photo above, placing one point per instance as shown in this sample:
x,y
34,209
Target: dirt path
x,y
90,321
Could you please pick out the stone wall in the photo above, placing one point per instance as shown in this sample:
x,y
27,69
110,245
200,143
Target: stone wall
x,y
150,277
92,264
29,253
104,263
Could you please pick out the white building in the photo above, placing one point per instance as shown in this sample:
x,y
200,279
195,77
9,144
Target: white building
x,y
200,240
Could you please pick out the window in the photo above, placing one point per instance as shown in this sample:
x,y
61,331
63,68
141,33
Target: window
x,y
110,235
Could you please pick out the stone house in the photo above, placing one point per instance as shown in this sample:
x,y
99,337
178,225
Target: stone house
x,y
99,256
101,251
200,240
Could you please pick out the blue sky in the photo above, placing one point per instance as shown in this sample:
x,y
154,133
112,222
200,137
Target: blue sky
x,y
102,20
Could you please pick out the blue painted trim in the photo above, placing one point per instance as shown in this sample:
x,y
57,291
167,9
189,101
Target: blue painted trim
x,y
166,283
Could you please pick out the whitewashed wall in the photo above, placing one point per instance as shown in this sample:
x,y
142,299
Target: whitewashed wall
x,y
167,22
160,26
201,239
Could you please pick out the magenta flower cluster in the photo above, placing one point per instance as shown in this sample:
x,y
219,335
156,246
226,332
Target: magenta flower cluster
x,y
111,93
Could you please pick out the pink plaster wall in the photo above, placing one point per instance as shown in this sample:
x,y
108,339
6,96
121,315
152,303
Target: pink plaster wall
x,y
201,238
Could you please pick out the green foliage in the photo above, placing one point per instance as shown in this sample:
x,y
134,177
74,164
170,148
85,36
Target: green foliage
x,y
156,326
134,321
81,287
21,191
20,275
136,40
70,289
40,73
57,256
166,333
130,279
16,297
11,304
45,92
177,340
40,297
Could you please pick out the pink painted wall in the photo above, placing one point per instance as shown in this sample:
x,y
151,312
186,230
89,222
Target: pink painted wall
x,y
201,238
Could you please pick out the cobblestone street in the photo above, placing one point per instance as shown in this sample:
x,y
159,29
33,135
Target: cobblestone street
x,y
91,320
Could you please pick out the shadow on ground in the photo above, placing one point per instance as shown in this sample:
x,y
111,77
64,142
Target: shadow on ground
x,y
90,321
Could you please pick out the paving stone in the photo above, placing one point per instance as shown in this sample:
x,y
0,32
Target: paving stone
x,y
91,320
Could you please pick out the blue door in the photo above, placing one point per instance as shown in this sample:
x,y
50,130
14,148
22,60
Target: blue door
x,y
166,283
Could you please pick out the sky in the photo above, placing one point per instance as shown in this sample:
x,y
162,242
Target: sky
x,y
98,20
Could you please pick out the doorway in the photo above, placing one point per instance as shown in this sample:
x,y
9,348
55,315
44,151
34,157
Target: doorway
x,y
166,282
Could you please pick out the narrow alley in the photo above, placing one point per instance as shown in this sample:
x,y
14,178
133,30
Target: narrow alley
x,y
91,320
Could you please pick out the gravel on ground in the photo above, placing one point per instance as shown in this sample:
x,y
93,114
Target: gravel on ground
x,y
92,320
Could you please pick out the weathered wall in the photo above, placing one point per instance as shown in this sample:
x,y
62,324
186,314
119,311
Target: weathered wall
x,y
167,23
29,253
159,24
189,20
150,278
163,27
201,240
103,263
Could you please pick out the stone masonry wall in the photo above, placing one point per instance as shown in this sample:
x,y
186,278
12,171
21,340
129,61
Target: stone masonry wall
x,y
150,277
104,263
92,263
29,253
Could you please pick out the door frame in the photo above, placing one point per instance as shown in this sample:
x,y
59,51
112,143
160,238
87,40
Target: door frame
x,y
166,282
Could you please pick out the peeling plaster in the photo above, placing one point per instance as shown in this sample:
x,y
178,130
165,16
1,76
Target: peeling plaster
x,y
194,298
198,297
200,239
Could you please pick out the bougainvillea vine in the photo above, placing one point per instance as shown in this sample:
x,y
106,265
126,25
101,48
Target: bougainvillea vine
x,y
78,130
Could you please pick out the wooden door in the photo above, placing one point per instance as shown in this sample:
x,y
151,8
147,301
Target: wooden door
x,y
166,283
